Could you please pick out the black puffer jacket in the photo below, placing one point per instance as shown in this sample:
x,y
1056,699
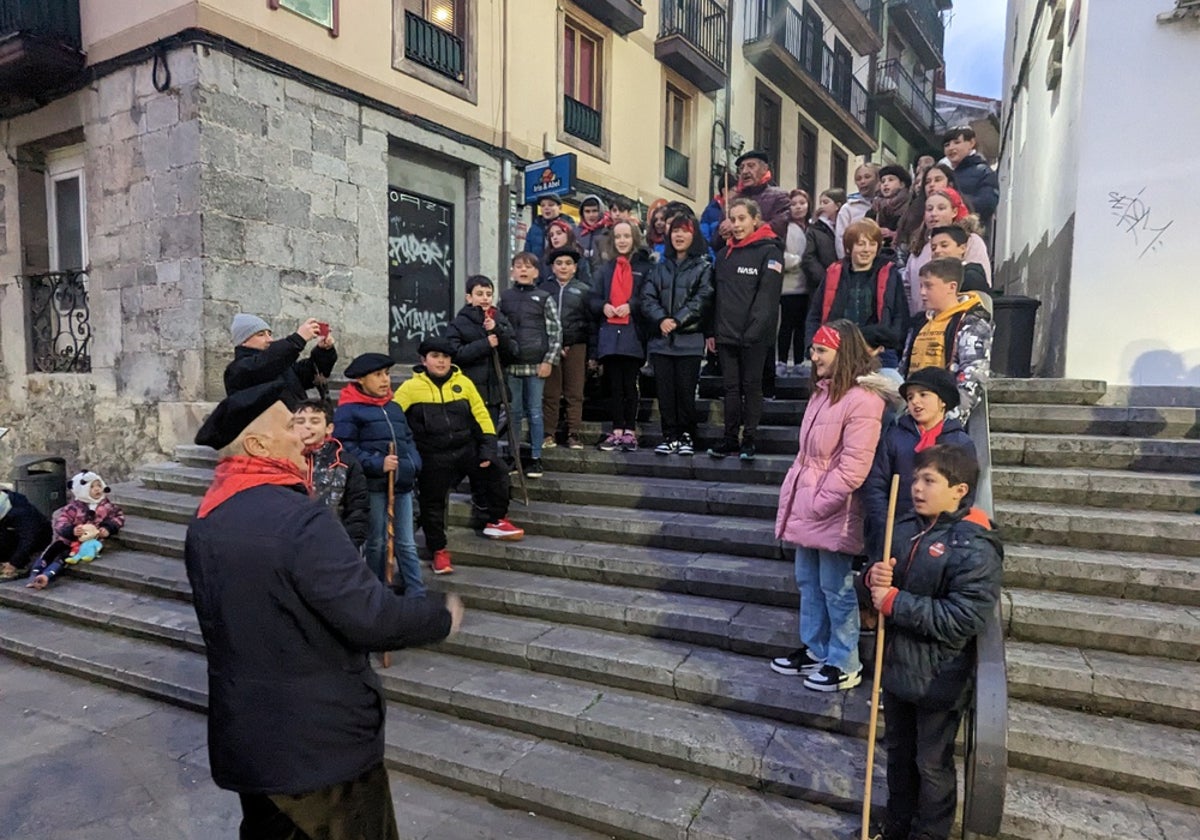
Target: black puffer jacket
x,y
281,360
448,418
473,353
24,530
948,576
820,252
573,312
683,292
979,185
748,281
525,307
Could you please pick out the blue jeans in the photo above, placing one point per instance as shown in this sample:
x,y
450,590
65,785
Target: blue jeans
x,y
527,396
828,607
406,547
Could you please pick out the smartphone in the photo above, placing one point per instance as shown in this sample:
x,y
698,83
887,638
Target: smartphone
x,y
490,312
323,329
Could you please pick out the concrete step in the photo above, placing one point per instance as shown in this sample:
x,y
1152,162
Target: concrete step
x,y
1145,688
1147,532
173,477
1113,574
151,502
1046,391
1108,420
1118,489
1096,452
1133,627
157,536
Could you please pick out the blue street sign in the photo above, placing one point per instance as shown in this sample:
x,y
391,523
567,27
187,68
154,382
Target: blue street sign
x,y
553,176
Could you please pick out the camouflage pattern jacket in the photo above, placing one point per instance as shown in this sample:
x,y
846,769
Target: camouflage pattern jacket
x,y
968,342
338,482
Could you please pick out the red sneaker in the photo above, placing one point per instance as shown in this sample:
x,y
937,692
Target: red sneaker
x,y
441,562
502,529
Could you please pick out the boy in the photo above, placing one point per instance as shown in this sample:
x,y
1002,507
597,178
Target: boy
x,y
534,318
476,331
951,241
595,232
977,182
936,601
888,207
24,530
456,438
89,515
336,477
569,376
257,359
955,334
369,425
549,210
866,178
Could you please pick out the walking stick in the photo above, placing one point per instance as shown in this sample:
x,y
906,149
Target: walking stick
x,y
871,729
389,571
512,431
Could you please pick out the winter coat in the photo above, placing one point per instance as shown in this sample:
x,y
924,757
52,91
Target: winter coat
x,y
886,325
24,530
107,515
448,419
684,293
819,503
819,254
979,185
947,575
855,208
620,339
894,456
281,360
793,252
339,483
289,613
473,353
968,342
525,306
976,253
710,222
574,313
774,208
747,280
535,240
583,272
597,246
366,429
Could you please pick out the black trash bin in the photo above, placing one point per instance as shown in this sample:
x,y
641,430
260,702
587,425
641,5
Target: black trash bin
x,y
1012,344
43,480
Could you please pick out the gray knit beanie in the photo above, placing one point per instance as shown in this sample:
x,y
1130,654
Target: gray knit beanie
x,y
245,326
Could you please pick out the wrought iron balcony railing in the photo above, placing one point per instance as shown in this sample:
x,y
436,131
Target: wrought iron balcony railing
x,y
675,166
581,121
428,44
702,22
892,77
60,325
56,20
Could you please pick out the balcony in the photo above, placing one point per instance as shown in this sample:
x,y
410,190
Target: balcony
x,y
793,56
40,50
907,105
428,44
675,166
691,41
60,327
581,121
621,16
857,21
920,22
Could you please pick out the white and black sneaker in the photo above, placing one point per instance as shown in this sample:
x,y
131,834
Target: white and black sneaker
x,y
667,447
796,663
685,445
830,678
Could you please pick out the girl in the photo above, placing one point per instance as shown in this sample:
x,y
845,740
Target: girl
x,y
909,231
820,250
793,305
748,280
560,234
944,207
615,305
90,507
677,305
819,508
656,226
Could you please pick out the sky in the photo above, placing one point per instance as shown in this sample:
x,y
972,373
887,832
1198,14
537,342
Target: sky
x,y
974,48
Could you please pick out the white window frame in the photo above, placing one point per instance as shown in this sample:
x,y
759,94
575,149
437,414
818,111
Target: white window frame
x,y
62,165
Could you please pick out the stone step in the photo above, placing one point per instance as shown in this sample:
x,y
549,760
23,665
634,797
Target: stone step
x,y
1109,420
1145,688
787,388
1133,627
1046,391
1096,452
154,502
765,469
144,533
1111,574
770,440
1118,489
173,477
1145,532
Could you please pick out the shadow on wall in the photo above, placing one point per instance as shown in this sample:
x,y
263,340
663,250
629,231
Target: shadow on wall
x,y
1163,367
1045,273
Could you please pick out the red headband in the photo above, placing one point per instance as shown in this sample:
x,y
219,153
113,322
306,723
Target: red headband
x,y
683,224
827,336
956,201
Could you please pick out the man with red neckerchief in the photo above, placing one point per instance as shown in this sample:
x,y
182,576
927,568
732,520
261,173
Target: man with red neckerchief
x,y
754,182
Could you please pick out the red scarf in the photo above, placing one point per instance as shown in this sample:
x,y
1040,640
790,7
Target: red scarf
x,y
603,222
763,232
929,438
353,393
241,472
622,288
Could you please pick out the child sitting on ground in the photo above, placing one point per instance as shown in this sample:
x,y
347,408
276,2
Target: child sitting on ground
x,y
936,602
89,507
336,476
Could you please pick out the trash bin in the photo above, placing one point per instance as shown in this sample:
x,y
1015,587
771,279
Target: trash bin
x,y
43,480
1012,343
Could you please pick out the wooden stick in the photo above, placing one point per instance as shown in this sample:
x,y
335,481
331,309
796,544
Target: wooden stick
x,y
514,441
871,729
389,571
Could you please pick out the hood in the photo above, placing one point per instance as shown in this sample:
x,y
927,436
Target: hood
x,y
81,484
967,302
885,386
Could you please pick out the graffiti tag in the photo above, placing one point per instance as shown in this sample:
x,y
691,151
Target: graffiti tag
x,y
410,249
412,324
1133,217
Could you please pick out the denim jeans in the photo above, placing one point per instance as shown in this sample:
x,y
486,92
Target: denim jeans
x,y
409,565
527,396
828,607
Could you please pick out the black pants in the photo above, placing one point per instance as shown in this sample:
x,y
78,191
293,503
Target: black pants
x,y
742,376
440,474
621,379
793,310
360,809
676,378
922,788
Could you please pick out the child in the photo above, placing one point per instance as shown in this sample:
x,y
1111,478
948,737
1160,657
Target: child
x,y
258,359
456,438
936,602
889,205
478,330
820,251
89,507
23,530
336,477
568,377
977,181
534,318
943,207
368,424
951,241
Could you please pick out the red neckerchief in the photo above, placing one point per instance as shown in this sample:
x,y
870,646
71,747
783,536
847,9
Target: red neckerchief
x,y
930,437
764,181
603,222
241,472
353,393
622,288
762,233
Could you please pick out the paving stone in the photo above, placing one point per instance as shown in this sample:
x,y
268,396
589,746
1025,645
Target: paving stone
x,y
732,815
498,638
833,767
614,659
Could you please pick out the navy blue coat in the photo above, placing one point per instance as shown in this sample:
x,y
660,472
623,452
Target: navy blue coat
x,y
366,430
979,185
289,613
24,531
619,339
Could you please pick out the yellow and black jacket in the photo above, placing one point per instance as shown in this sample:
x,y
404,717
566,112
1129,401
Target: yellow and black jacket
x,y
447,416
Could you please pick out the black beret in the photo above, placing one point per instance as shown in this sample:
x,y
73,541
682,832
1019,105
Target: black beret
x,y
936,379
562,252
237,411
436,344
753,154
368,363
899,171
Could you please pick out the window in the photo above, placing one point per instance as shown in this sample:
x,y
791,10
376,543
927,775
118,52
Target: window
x,y
323,12
838,168
675,161
443,14
806,161
766,122
581,66
66,210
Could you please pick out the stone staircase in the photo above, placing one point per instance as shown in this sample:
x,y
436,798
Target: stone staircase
x,y
611,673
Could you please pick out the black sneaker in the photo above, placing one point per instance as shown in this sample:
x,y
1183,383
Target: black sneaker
x,y
796,663
685,446
722,450
534,468
830,678
748,451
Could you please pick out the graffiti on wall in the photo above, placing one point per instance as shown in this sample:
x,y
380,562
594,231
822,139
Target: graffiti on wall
x,y
420,270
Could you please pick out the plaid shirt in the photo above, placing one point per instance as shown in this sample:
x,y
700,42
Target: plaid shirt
x,y
554,337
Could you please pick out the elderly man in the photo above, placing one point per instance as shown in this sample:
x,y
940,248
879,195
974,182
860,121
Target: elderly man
x,y
755,182
289,613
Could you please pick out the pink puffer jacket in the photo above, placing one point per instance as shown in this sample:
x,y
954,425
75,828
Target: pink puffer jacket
x,y
818,505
